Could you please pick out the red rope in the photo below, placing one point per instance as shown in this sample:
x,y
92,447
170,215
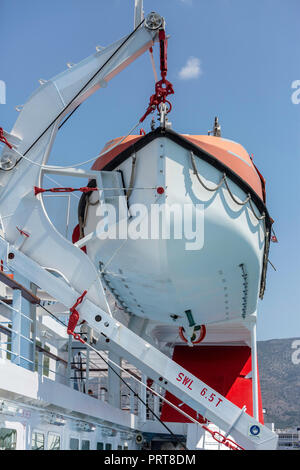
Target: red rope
x,y
4,139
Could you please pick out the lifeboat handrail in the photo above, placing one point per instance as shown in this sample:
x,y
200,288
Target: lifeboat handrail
x,y
220,184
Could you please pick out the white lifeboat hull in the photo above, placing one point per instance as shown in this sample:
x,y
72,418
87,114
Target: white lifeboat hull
x,y
216,276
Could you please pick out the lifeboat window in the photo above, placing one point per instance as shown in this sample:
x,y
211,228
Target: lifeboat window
x,y
37,441
100,446
108,446
74,443
53,441
8,439
85,445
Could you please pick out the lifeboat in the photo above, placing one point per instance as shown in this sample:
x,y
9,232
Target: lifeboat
x,y
204,259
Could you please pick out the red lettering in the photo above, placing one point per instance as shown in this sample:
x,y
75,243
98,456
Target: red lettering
x,y
180,377
186,380
219,402
189,386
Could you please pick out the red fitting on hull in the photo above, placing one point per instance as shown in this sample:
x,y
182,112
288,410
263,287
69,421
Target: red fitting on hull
x,y
74,317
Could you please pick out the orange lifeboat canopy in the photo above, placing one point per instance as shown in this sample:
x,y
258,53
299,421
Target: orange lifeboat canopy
x,y
227,152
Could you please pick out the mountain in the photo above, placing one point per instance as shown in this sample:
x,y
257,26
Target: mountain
x,y
279,369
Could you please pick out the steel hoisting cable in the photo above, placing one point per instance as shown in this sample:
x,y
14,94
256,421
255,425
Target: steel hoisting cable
x,y
78,93
52,315
153,64
68,117
75,165
138,397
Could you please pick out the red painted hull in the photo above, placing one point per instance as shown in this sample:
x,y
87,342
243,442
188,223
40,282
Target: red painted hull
x,y
224,368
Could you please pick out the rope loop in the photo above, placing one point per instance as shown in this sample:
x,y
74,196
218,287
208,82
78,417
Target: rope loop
x,y
219,185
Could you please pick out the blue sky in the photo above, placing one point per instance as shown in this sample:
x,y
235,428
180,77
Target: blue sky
x,y
242,58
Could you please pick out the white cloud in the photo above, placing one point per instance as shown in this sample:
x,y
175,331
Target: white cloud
x,y
191,69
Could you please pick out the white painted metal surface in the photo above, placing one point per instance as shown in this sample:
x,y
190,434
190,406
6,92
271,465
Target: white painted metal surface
x,y
160,278
155,364
37,391
18,205
32,257
138,12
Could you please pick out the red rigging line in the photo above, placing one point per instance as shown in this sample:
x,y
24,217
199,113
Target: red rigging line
x,y
74,317
84,189
163,53
163,87
25,234
3,139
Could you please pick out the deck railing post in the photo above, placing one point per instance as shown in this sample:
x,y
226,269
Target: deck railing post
x,y
254,369
16,327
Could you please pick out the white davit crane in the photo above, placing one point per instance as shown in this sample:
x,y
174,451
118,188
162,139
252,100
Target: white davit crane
x,y
33,248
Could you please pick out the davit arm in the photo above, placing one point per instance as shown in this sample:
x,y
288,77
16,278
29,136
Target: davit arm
x,y
33,136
